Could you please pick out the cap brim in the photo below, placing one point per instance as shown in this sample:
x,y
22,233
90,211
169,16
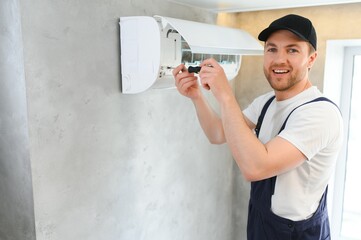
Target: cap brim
x,y
264,35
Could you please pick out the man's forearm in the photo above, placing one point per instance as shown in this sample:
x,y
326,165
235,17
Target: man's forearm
x,y
209,121
246,149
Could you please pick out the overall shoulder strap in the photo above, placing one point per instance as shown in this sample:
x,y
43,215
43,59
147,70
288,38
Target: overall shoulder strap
x,y
314,100
263,113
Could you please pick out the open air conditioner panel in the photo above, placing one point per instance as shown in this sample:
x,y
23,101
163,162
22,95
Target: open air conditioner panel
x,y
157,45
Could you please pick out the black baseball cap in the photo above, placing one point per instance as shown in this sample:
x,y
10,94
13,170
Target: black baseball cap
x,y
298,25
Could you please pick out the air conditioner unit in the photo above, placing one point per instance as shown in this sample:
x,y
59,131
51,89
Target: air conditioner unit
x,y
151,47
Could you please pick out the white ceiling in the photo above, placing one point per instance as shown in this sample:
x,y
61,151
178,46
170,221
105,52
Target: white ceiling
x,y
255,5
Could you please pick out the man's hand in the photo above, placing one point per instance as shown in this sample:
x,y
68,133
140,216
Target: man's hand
x,y
186,83
213,77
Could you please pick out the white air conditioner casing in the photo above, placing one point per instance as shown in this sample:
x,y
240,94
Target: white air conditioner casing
x,y
151,47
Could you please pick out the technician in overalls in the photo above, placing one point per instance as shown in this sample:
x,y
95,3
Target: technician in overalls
x,y
285,143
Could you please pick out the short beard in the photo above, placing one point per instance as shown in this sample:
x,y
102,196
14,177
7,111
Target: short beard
x,y
291,81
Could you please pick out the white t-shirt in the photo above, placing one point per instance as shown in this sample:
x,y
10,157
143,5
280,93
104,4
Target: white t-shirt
x,y
316,130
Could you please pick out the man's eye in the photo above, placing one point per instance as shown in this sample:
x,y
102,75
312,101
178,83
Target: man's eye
x,y
271,50
292,50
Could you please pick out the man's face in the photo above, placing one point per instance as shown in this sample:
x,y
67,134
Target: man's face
x,y
287,60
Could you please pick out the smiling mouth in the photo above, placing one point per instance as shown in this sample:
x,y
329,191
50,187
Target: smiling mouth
x,y
280,71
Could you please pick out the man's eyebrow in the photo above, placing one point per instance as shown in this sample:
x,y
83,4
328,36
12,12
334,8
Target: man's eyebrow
x,y
293,45
270,44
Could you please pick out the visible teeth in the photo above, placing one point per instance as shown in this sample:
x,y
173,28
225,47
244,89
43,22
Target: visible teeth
x,y
280,71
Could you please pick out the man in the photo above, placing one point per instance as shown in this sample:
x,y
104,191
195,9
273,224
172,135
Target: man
x,y
292,155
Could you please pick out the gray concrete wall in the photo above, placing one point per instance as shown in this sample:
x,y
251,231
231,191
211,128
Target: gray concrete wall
x,y
107,165
16,197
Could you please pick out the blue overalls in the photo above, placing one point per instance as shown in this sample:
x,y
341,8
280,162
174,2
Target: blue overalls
x,y
263,224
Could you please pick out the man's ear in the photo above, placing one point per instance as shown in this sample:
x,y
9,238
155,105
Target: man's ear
x,y
312,59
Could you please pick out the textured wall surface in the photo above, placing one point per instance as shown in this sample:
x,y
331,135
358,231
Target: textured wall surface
x,y
112,166
16,197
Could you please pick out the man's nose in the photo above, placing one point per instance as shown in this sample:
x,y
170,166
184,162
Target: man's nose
x,y
281,57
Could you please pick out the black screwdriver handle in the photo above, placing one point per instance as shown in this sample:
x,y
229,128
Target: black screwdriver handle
x,y
194,69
